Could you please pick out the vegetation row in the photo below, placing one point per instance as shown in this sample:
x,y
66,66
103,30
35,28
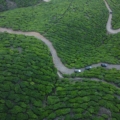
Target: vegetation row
x,y
83,100
30,88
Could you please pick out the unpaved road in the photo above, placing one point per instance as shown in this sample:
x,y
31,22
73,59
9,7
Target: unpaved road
x,y
56,60
109,22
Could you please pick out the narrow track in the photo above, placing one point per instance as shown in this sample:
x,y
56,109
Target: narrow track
x,y
109,22
56,60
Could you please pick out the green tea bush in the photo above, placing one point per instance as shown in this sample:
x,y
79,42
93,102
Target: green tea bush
x,y
27,77
86,106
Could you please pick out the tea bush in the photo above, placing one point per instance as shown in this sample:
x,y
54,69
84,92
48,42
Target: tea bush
x,y
83,100
27,77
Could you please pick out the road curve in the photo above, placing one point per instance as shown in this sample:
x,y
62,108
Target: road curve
x,y
56,60
109,22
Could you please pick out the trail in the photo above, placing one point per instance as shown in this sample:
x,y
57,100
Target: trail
x,y
109,22
56,60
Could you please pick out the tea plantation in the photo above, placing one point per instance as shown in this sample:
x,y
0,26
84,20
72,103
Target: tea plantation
x,y
30,88
76,29
83,100
27,76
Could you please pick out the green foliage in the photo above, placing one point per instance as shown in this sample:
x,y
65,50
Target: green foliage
x,y
30,89
3,5
109,75
23,82
83,106
11,4
76,29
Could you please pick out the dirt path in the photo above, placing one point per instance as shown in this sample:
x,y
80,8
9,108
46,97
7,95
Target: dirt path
x,y
56,60
109,22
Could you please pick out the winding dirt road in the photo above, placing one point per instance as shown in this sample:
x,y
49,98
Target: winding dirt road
x,y
56,60
109,22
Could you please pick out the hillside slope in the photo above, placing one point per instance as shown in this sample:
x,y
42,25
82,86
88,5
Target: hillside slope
x,y
77,30
29,86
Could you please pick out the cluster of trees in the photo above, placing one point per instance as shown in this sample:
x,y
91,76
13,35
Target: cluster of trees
x,y
3,5
25,3
79,35
11,4
82,100
27,77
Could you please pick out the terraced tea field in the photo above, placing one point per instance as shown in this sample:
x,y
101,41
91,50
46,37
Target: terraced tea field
x,y
66,35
